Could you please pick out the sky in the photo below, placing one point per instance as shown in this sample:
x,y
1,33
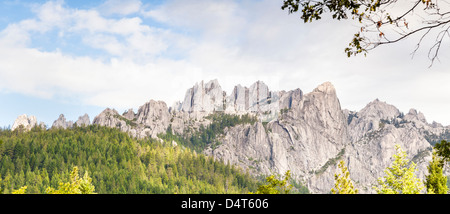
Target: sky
x,y
74,57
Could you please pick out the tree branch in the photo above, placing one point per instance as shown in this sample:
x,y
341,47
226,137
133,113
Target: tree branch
x,y
412,32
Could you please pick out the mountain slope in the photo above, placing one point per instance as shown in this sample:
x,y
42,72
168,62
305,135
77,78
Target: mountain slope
x,y
116,163
305,133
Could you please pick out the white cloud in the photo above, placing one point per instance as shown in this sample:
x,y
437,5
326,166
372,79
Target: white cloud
x,y
52,14
15,35
219,17
113,82
229,48
105,42
120,7
118,83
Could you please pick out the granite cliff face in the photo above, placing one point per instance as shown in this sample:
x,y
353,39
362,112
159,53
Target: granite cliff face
x,y
374,131
27,122
305,133
151,119
62,123
83,120
309,133
203,97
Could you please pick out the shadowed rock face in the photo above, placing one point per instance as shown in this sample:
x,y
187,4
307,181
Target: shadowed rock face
x,y
305,133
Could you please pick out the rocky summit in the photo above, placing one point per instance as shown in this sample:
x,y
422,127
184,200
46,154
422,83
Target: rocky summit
x,y
306,133
62,123
24,121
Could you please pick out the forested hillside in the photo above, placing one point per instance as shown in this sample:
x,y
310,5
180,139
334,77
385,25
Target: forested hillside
x,y
116,162
208,136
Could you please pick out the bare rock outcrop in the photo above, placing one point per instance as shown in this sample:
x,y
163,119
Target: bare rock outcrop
x,y
24,121
311,131
368,118
154,116
203,97
151,119
255,99
111,118
83,120
375,130
129,115
62,123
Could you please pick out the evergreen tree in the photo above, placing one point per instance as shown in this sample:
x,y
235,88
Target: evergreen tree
x,y
22,190
76,185
443,150
276,186
118,162
399,178
436,181
343,184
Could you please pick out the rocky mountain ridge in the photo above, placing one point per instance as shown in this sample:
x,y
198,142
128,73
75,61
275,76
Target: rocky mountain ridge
x,y
305,133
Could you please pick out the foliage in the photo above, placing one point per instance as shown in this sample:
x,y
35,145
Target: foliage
x,y
343,184
22,190
208,135
330,162
381,21
443,150
275,186
118,164
399,178
298,188
434,139
435,181
284,110
76,185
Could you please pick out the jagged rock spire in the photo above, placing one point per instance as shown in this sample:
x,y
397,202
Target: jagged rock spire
x,y
27,122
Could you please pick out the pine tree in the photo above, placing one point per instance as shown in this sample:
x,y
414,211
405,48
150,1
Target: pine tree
x,y
1,184
343,184
399,178
120,164
436,181
443,150
22,190
75,186
276,186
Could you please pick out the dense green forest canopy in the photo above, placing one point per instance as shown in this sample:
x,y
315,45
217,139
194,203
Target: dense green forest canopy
x,y
116,162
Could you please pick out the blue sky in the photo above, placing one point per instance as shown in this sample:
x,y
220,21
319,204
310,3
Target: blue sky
x,y
76,57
